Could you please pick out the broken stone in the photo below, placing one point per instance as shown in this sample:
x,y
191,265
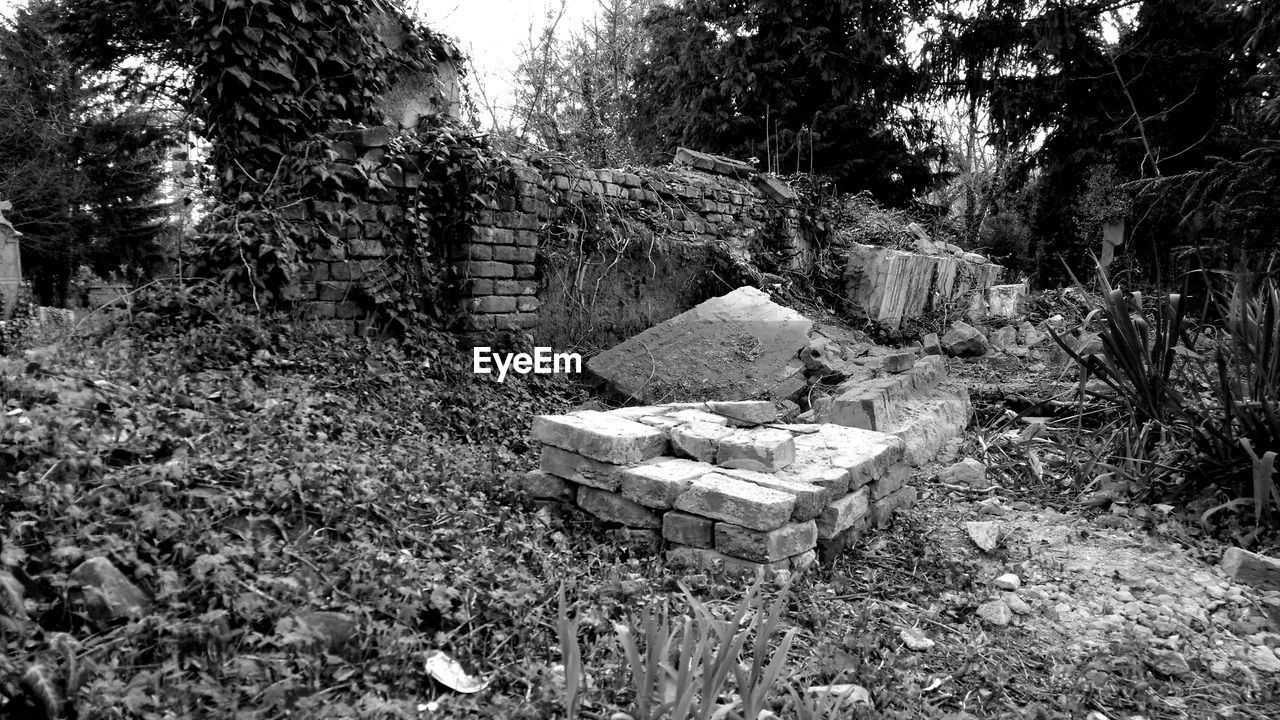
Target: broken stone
x,y
544,485
334,630
1007,301
1250,568
898,362
737,501
728,348
1004,338
746,412
698,440
1263,659
843,513
777,189
932,344
915,639
821,356
658,482
986,535
1168,663
763,450
805,560
790,539
1017,605
1029,336
964,340
579,469
810,498
969,472
995,612
889,482
848,695
1009,582
686,529
108,594
600,436
613,507
863,454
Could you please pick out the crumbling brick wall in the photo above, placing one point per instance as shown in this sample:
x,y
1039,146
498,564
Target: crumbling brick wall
x,y
510,264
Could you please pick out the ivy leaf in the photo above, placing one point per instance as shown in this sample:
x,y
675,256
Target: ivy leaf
x,y
242,76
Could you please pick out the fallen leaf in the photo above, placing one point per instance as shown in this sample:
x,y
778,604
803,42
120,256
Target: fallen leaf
x,y
449,673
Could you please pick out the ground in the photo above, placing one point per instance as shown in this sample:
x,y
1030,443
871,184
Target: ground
x,y
296,487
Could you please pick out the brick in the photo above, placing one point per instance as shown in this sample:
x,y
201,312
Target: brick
x,y
888,483
512,287
514,254
319,271
698,440
778,544
525,271
843,513
319,310
472,287
810,498
613,507
376,136
490,304
366,248
656,483
527,303
544,485
600,436
344,150
764,450
712,561
737,501
473,251
685,529
864,454
493,236
630,180
526,238
579,469
473,323
333,291
484,268
882,510
350,270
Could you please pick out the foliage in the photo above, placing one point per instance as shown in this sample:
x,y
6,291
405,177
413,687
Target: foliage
x,y
813,86
83,174
1190,409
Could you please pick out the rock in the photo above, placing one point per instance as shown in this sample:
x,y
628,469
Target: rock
x,y
686,529
810,497
333,629
1168,663
805,560
1029,336
1263,659
1251,568
996,613
658,482
790,539
821,357
1009,582
1017,605
543,485
932,344
974,258
915,639
964,340
1005,338
992,506
898,362
746,412
737,501
1088,344
728,348
883,510
763,450
986,535
969,472
107,593
600,436
1007,301
841,458
849,696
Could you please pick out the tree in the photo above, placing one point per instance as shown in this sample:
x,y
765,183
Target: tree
x,y
82,172
818,84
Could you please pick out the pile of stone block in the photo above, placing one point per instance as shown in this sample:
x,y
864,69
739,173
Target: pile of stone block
x,y
720,485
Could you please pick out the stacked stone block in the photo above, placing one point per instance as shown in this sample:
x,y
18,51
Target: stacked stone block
x,y
721,486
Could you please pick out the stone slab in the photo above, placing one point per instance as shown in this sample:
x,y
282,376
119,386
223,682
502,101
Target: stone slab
x,y
600,436
656,483
728,348
778,544
927,424
882,510
1250,568
746,412
685,529
864,454
579,469
698,440
760,449
843,513
614,508
737,501
810,497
